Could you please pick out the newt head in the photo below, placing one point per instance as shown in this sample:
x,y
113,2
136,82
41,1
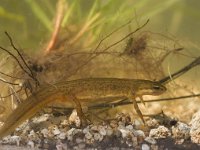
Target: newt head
x,y
146,87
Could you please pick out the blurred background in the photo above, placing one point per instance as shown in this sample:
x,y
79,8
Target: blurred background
x,y
84,23
31,22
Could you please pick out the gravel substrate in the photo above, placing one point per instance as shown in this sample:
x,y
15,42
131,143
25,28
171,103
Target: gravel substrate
x,y
61,133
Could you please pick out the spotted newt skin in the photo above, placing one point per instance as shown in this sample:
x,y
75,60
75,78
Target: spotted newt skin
x,y
74,92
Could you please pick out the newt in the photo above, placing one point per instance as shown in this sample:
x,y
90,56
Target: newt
x,y
75,92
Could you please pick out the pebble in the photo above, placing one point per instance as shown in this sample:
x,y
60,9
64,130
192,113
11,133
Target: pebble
x,y
59,145
109,131
150,140
153,123
31,144
55,130
41,118
81,146
195,128
74,119
70,134
88,135
102,130
145,147
134,141
62,135
98,137
65,122
94,128
79,140
129,127
125,132
32,135
45,132
181,131
114,124
160,132
154,147
86,130
11,140
24,127
137,123
139,133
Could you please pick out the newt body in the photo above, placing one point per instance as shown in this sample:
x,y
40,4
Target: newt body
x,y
73,93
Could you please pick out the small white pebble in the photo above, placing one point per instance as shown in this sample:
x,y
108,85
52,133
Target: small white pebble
x,y
94,128
65,123
134,141
86,130
150,140
88,135
130,127
32,135
70,134
102,130
154,147
121,124
77,131
113,124
179,141
139,133
81,146
77,122
181,131
160,132
73,118
42,118
125,132
56,131
152,123
71,131
31,144
89,141
195,128
145,147
137,123
109,131
62,135
59,147
6,139
98,137
45,132
23,126
15,139
79,140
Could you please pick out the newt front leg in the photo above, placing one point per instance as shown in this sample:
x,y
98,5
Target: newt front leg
x,y
79,110
137,108
141,100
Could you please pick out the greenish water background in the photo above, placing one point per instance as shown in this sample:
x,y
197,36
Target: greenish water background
x,y
30,22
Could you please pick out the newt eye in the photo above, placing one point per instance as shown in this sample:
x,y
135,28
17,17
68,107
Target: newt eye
x,y
156,87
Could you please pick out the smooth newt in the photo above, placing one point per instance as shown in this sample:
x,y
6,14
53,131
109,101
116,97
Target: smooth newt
x,y
76,91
